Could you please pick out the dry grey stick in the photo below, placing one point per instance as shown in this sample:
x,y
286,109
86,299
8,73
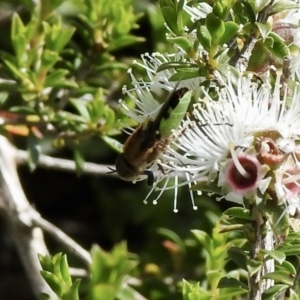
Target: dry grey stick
x,y
18,213
67,165
49,162
64,239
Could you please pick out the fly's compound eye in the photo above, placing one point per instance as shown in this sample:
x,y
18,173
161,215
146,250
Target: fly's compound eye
x,y
125,170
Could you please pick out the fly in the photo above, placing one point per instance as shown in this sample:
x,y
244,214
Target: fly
x,y
151,138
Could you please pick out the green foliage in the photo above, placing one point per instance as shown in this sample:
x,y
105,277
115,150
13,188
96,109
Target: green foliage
x,y
109,272
56,274
53,74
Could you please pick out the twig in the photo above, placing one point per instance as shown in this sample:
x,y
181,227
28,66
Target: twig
x,y
18,213
61,237
261,242
49,162
66,165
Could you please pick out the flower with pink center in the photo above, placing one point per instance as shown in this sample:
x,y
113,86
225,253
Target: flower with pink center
x,y
242,140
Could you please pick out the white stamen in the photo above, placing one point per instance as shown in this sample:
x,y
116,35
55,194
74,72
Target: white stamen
x,y
237,163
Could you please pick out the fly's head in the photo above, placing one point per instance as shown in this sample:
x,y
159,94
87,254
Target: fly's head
x,y
128,172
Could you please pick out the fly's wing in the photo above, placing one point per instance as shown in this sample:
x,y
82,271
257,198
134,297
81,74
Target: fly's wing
x,y
174,114
139,142
114,144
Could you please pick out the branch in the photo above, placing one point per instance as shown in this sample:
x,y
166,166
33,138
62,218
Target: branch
x,y
18,214
61,237
67,165
49,162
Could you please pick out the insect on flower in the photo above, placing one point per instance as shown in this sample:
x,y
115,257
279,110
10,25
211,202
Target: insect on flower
x,y
150,139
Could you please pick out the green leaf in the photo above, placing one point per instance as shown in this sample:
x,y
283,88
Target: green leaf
x,y
238,212
213,276
231,293
48,6
180,11
274,291
290,249
79,160
204,37
56,267
12,65
229,282
58,37
102,291
49,58
18,38
175,65
53,282
238,256
281,276
124,41
218,9
253,266
17,26
279,256
64,269
46,263
264,29
20,44
289,267
203,238
34,151
231,29
72,293
216,28
276,45
110,66
57,78
282,5
248,9
182,42
183,74
194,291
81,108
168,10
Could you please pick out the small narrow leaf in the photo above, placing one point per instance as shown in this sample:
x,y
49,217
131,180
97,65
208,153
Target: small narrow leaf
x,y
238,212
229,282
34,150
280,277
274,291
279,256
79,160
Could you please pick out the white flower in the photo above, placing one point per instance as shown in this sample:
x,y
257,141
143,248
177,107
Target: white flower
x,y
159,81
198,12
246,126
146,109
